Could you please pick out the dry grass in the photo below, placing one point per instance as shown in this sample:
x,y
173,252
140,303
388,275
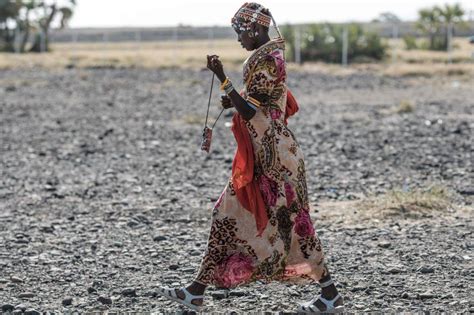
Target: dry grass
x,y
462,53
415,203
191,54
405,106
434,201
128,55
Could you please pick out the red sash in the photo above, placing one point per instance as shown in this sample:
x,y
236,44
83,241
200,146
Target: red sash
x,y
245,185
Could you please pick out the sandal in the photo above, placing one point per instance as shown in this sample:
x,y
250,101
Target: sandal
x,y
170,294
311,308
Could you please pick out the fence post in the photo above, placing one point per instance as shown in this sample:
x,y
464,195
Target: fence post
x,y
449,43
74,36
17,40
298,45
345,45
175,38
394,45
42,41
210,37
138,36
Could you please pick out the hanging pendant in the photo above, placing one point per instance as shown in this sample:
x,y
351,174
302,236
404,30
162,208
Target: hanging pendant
x,y
206,139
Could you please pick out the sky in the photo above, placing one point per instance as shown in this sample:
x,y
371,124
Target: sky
x,y
151,13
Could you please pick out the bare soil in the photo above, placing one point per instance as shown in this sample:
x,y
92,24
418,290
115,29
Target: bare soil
x,y
105,195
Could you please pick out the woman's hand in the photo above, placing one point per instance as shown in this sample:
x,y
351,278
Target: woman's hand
x,y
226,102
215,65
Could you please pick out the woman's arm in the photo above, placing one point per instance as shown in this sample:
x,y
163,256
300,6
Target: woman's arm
x,y
240,104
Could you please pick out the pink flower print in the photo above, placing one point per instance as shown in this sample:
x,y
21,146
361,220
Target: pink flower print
x,y
290,194
280,64
275,114
234,270
269,189
303,225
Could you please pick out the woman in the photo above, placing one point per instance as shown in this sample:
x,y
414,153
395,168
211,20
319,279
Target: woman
x,y
261,228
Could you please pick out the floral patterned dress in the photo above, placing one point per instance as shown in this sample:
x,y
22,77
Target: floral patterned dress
x,y
289,248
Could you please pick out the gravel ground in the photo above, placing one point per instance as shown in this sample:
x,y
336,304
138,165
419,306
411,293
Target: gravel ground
x,y
104,194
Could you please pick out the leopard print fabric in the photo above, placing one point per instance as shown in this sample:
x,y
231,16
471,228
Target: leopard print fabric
x,y
289,248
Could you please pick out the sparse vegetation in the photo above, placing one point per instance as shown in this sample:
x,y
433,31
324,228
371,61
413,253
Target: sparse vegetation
x,y
410,42
189,54
405,106
435,23
409,203
323,42
21,18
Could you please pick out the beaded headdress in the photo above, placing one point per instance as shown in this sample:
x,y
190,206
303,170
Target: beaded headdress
x,y
251,12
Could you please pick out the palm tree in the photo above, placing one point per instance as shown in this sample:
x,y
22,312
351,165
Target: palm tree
x,y
429,23
450,15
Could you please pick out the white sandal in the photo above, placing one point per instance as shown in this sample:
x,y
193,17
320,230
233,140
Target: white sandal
x,y
310,308
170,294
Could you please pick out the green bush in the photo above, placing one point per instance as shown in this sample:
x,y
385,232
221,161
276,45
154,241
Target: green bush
x,y
288,33
323,42
410,42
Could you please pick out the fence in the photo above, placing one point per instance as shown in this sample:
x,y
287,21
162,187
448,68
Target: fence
x,y
210,34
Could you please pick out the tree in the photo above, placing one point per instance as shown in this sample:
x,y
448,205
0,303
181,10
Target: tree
x,y
388,17
435,23
9,11
430,24
450,15
16,22
50,10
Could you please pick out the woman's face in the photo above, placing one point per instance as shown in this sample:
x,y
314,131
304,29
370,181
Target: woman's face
x,y
245,41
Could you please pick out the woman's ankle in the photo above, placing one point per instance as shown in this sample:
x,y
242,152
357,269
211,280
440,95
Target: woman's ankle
x,y
329,292
197,287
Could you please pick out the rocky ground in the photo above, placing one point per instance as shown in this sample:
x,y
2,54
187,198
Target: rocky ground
x,y
104,194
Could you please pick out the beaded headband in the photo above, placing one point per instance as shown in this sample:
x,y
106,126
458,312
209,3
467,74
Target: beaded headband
x,y
249,16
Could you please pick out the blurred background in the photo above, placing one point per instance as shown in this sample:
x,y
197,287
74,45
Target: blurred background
x,y
407,36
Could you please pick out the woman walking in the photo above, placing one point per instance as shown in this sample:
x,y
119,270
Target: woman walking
x,y
261,227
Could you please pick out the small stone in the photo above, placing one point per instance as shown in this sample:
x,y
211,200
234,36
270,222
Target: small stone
x,y
91,290
32,311
405,295
384,244
105,300
21,307
7,308
358,288
426,295
424,269
173,267
395,270
67,301
448,296
159,238
26,295
243,293
15,279
220,294
129,292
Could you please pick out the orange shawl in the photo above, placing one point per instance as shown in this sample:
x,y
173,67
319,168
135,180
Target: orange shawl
x,y
245,185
